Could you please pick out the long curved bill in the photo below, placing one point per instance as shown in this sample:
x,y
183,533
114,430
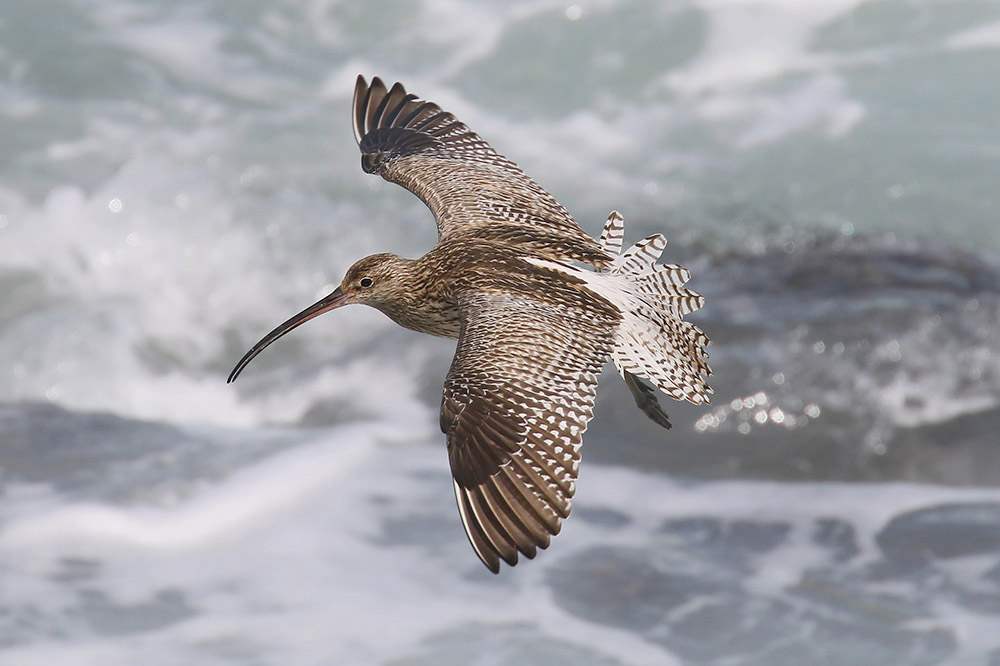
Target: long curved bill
x,y
331,302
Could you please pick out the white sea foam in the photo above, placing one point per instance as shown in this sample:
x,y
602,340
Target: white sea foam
x,y
979,37
137,299
191,182
250,500
311,553
753,44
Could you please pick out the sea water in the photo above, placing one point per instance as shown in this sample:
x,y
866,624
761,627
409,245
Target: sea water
x,y
178,178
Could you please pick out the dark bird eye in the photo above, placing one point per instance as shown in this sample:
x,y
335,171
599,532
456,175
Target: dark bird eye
x,y
366,282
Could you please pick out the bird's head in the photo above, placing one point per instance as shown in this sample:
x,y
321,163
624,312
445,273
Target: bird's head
x,y
374,280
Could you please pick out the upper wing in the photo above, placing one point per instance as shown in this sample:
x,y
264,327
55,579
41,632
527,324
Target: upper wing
x,y
516,403
469,187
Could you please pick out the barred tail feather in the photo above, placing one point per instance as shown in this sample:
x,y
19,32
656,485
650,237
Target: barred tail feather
x,y
665,287
653,341
613,235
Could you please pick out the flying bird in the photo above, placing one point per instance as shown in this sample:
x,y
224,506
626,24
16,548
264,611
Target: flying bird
x,y
537,307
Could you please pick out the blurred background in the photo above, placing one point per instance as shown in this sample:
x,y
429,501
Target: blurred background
x,y
179,177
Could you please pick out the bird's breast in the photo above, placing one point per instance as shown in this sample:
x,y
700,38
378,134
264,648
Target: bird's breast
x,y
432,316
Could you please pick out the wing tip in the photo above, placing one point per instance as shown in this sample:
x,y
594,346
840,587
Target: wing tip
x,y
388,119
360,93
363,103
490,534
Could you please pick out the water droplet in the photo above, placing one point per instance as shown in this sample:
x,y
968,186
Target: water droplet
x,y
115,205
895,191
253,174
574,12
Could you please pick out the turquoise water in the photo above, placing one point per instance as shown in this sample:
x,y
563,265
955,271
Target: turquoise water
x,y
180,177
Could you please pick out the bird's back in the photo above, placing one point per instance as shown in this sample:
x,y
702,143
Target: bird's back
x,y
462,265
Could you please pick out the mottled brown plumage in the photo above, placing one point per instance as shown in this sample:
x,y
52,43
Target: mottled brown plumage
x,y
534,328
470,188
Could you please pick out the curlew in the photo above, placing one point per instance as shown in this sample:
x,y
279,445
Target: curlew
x,y
537,307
